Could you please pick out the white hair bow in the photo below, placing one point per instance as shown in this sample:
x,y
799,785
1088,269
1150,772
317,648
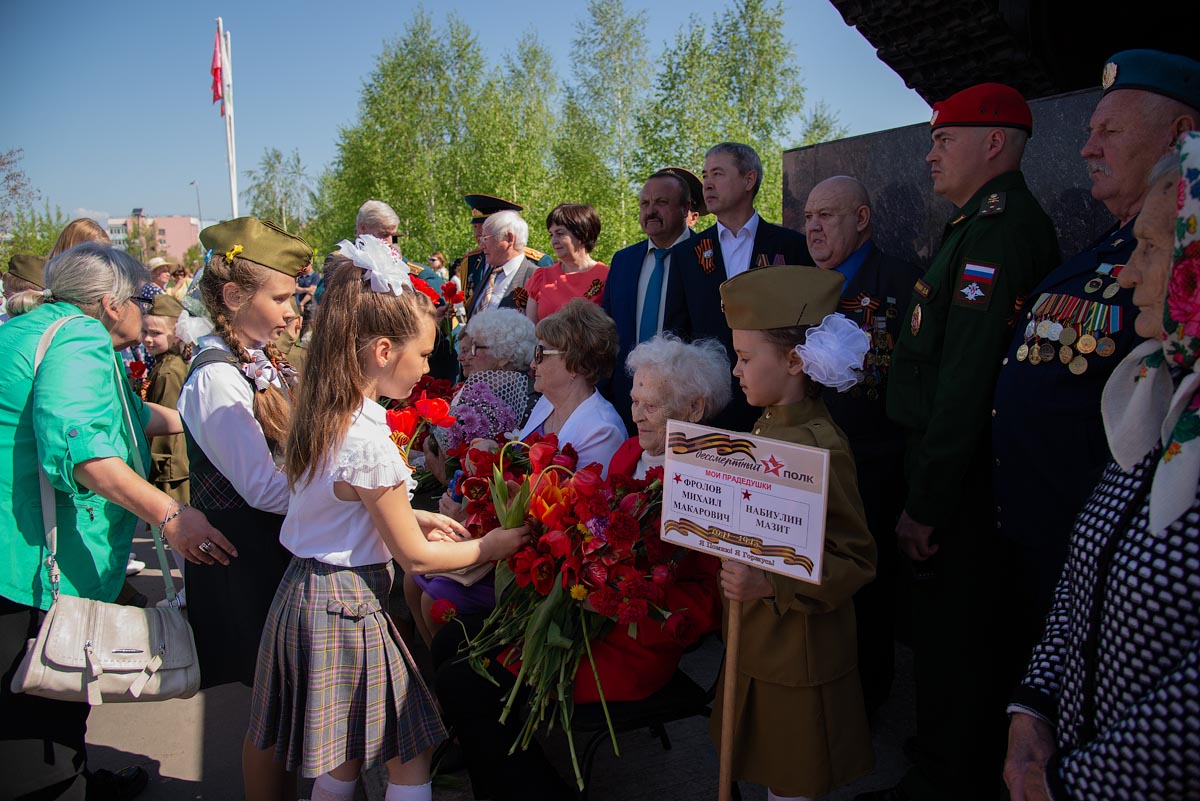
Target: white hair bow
x,y
833,352
380,263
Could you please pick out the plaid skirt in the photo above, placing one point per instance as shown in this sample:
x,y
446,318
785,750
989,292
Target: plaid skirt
x,y
334,681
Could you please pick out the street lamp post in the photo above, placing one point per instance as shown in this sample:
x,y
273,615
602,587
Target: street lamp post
x,y
199,214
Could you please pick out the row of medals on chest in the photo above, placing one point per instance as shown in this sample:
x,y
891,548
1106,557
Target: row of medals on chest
x,y
1079,326
879,358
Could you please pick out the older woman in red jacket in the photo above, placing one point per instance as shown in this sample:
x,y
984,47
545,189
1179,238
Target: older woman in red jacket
x,y
671,379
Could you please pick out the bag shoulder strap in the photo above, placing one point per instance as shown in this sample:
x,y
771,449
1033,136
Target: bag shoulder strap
x,y
49,516
216,356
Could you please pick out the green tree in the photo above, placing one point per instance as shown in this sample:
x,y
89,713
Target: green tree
x,y
31,231
734,81
279,189
597,133
141,240
15,190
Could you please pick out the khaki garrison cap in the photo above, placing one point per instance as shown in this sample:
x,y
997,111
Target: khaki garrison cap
x,y
782,296
165,305
260,241
29,267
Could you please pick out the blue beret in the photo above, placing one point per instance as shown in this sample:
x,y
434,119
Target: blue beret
x,y
1167,74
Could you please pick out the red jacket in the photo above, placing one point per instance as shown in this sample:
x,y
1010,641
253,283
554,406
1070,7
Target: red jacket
x,y
631,669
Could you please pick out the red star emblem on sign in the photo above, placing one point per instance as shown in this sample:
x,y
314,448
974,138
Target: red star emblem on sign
x,y
745,495
772,465
678,478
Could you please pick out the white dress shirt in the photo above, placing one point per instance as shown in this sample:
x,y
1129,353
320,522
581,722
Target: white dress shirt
x,y
217,406
737,249
644,281
503,279
594,429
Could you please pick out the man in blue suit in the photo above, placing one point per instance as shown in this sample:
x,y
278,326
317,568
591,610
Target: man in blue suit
x,y
635,293
740,241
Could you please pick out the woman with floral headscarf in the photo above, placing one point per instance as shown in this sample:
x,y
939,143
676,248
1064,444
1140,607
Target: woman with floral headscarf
x,y
1110,707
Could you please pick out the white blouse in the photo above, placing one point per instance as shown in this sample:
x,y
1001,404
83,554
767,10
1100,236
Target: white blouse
x,y
321,526
217,406
594,429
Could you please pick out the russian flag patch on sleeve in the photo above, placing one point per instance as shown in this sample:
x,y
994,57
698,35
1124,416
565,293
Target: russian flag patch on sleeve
x,y
975,285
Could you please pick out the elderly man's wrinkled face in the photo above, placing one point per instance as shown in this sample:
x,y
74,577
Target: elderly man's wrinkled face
x,y
833,225
1150,265
1121,149
660,212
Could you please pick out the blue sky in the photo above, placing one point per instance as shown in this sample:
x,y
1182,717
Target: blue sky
x,y
111,101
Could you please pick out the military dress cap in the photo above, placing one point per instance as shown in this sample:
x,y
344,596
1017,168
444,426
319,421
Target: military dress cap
x,y
165,305
29,267
984,105
695,186
781,296
260,241
484,206
1167,74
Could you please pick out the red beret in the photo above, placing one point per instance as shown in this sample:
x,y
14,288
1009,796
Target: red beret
x,y
986,104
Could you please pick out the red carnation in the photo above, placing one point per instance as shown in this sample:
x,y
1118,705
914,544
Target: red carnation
x,y
633,610
443,611
137,369
605,601
622,530
640,588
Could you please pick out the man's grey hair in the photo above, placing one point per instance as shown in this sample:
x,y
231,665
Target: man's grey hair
x,y
508,334
374,216
503,223
690,371
745,157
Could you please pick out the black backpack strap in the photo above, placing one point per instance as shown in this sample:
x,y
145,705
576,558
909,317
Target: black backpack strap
x,y
216,356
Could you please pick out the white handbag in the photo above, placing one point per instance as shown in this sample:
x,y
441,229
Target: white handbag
x,y
96,652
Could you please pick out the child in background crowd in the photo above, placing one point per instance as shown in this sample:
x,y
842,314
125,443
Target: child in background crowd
x,y
168,454
336,691
801,725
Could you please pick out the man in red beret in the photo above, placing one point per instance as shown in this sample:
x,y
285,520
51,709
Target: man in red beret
x,y
997,245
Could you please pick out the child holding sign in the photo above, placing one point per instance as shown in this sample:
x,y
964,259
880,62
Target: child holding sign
x,y
800,726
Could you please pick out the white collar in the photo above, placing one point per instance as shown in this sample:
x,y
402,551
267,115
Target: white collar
x,y
372,412
751,226
509,267
650,246
215,341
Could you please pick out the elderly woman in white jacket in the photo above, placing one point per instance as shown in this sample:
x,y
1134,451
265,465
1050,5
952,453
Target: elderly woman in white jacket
x,y
577,347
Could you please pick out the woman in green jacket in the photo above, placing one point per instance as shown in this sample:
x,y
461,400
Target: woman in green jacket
x,y
70,423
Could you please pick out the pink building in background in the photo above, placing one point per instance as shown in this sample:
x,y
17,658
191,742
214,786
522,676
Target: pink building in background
x,y
173,235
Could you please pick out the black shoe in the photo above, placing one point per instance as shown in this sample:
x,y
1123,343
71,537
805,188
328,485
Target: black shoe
x,y
123,785
886,794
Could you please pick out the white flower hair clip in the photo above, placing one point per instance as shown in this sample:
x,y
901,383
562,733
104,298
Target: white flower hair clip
x,y
379,262
833,352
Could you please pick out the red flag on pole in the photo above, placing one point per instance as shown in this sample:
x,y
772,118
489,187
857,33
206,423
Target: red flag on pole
x,y
218,83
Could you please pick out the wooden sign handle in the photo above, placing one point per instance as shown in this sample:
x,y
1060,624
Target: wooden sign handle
x,y
733,634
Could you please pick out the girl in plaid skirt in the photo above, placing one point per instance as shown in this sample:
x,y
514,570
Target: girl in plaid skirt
x,y
335,690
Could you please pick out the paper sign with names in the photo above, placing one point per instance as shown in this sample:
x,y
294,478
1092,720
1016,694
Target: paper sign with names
x,y
751,499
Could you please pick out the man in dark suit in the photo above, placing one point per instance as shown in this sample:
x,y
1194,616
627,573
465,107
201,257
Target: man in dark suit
x,y
503,240
740,241
634,294
878,287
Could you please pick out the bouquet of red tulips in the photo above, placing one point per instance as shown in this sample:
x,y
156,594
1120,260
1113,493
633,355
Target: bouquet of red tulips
x,y
595,561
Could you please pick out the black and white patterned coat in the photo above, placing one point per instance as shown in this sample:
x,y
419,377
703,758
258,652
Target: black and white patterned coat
x,y
1117,672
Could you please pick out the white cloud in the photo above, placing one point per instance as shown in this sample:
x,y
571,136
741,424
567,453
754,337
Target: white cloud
x,y
99,216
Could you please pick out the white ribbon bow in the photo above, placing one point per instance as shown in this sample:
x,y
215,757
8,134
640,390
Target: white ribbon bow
x,y
833,352
380,263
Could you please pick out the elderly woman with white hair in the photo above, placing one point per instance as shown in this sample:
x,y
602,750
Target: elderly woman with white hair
x,y
672,380
76,422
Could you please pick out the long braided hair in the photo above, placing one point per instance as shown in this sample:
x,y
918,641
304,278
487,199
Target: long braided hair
x,y
272,408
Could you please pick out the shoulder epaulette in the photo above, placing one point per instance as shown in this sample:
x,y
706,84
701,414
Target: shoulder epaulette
x,y
992,204
533,254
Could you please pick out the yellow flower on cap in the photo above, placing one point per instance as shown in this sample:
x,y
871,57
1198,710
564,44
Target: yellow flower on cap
x,y
232,253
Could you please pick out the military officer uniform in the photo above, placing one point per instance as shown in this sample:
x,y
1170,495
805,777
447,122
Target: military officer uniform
x,y
472,269
997,247
875,297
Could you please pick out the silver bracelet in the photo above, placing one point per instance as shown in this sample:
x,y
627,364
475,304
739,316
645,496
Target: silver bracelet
x,y
162,527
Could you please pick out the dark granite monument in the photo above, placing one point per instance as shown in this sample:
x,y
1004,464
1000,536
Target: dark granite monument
x,y
909,218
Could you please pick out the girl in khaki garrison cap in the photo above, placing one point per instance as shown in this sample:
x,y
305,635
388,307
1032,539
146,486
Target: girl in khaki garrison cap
x,y
236,410
801,726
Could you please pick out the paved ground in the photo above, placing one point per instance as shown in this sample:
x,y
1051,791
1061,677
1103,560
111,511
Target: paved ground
x,y
192,748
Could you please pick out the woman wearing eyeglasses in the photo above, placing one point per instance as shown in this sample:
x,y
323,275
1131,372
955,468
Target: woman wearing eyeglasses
x,y
577,346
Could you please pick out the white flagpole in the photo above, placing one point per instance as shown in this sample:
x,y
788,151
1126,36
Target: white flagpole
x,y
230,139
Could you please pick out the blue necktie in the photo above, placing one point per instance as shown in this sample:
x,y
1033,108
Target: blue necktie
x,y
649,325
